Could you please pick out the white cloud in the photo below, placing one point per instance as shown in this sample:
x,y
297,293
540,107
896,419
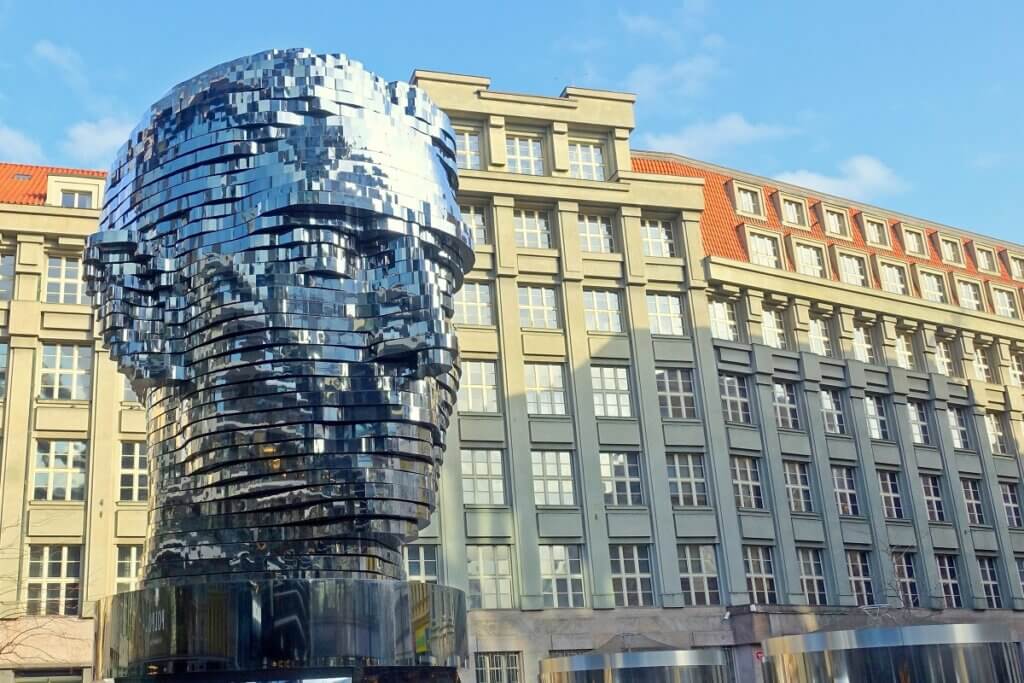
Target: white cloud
x,y
705,139
95,142
684,77
65,60
860,177
19,148
646,25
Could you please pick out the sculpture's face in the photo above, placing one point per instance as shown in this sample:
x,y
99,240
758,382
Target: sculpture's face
x,y
278,252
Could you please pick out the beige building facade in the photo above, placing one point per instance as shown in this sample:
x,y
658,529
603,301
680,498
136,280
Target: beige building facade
x,y
699,408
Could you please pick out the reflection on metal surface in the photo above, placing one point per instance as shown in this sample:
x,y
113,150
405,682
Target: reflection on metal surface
x,y
274,271
948,653
286,624
710,665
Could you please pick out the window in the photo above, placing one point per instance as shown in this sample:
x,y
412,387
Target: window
x,y
478,388
632,580
798,485
610,387
476,218
6,277
836,223
561,575
906,356
982,366
875,232
59,472
969,294
990,582
748,201
72,199
773,328
473,305
586,160
665,314
538,307
746,482
853,270
483,477
812,576
951,251
545,392
892,504
657,237
54,580
859,569
906,579
914,242
764,250
794,212
819,336
1016,369
467,148
864,343
735,398
894,278
1011,504
832,411
973,501
932,486
601,310
944,358
676,397
986,259
1020,571
845,485
66,372
490,576
959,426
134,472
698,574
129,562
531,228
595,234
620,475
421,563
810,260
787,410
757,563
64,283
552,478
723,319
878,417
920,425
948,580
4,352
523,154
1005,303
128,392
498,667
933,287
687,484
1016,267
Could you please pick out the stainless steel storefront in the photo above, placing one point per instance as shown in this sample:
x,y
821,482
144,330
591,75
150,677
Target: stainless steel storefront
x,y
709,665
948,653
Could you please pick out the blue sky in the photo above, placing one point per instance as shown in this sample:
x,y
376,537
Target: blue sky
x,y
915,106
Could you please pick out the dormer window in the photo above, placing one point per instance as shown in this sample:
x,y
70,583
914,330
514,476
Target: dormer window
x,y
836,223
748,200
74,199
586,160
914,242
951,250
875,232
986,258
794,211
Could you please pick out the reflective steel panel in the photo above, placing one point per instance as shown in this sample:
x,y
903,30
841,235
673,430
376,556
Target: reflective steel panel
x,y
707,665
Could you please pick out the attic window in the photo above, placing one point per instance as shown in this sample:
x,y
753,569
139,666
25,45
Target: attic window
x,y
22,176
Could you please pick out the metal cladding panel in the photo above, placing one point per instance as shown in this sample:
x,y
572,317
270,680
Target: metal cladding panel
x,y
274,271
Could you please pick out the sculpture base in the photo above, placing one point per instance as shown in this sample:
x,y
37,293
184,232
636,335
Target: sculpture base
x,y
283,630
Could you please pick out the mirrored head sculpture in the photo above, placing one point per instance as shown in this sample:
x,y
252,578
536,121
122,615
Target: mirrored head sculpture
x,y
274,271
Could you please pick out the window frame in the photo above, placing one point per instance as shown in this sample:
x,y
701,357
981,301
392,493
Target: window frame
x,y
465,402
623,403
496,496
633,583
825,208
795,243
1014,299
978,249
839,253
460,130
663,226
543,146
601,144
866,218
920,232
676,376
627,471
943,238
960,279
750,233
478,306
881,263
699,584
782,198
539,217
564,486
566,588
737,187
943,277
552,314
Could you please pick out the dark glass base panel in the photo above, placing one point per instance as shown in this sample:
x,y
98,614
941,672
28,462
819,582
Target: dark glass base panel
x,y
283,630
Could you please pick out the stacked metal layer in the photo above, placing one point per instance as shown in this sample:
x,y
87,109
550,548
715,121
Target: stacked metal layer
x,y
274,271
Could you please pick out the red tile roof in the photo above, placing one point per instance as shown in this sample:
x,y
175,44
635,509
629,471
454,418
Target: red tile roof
x,y
25,184
722,228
